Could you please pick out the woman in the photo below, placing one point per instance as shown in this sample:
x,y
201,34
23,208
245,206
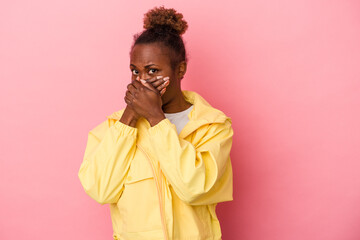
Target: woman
x,y
163,162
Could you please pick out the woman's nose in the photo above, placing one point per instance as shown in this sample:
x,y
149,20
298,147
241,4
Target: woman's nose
x,y
144,76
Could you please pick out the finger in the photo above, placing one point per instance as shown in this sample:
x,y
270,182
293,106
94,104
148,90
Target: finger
x,y
127,100
159,82
162,91
129,94
137,84
163,85
134,87
153,79
131,87
149,86
142,85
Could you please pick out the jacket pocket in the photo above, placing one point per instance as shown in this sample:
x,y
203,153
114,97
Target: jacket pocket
x,y
139,204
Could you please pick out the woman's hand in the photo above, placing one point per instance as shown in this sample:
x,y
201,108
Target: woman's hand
x,y
129,117
145,100
158,82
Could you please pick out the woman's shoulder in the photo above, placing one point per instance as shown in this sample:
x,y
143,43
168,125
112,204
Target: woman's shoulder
x,y
203,110
100,129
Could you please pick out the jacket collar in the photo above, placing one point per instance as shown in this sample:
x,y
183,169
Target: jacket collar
x,y
201,114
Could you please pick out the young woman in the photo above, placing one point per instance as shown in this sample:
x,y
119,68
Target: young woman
x,y
163,162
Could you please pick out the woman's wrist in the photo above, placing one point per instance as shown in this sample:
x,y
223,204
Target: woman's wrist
x,y
129,117
156,118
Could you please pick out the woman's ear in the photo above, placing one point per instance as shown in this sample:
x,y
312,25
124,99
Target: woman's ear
x,y
181,69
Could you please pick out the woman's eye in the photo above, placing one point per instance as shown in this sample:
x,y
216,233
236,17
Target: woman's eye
x,y
134,71
153,70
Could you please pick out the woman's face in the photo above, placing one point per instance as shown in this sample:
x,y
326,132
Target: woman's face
x,y
151,60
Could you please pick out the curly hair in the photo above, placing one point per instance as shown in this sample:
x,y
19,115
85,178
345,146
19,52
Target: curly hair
x,y
164,26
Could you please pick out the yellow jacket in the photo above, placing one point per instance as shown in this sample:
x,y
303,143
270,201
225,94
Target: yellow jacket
x,y
161,185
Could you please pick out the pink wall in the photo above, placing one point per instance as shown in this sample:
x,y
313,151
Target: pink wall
x,y
287,72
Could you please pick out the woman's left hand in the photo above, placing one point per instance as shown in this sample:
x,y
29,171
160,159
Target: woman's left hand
x,y
146,101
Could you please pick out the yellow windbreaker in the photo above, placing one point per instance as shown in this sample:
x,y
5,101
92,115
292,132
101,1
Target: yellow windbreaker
x,y
161,185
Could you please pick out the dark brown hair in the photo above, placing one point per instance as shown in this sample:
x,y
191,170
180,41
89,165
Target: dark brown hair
x,y
164,26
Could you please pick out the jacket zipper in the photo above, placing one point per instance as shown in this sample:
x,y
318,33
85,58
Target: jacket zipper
x,y
159,191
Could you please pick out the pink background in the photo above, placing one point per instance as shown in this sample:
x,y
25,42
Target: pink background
x,y
287,72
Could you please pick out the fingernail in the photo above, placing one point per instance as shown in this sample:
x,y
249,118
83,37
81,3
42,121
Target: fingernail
x,y
162,91
166,78
158,77
138,78
166,83
143,81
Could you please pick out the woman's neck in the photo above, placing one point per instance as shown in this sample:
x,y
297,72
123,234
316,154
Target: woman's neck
x,y
177,104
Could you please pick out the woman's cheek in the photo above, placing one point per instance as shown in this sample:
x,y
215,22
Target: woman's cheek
x,y
134,77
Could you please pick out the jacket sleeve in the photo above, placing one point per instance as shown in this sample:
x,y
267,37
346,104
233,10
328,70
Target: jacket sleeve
x,y
107,158
201,174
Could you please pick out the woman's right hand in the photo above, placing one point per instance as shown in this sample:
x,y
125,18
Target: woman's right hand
x,y
158,82
130,116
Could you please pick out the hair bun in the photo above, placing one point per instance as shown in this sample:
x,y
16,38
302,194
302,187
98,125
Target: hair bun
x,y
165,18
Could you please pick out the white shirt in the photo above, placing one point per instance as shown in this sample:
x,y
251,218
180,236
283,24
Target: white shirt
x,y
180,119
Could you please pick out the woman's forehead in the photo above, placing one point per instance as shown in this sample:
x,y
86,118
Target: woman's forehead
x,y
144,54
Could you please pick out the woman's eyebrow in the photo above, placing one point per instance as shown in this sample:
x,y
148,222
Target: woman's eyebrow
x,y
147,66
